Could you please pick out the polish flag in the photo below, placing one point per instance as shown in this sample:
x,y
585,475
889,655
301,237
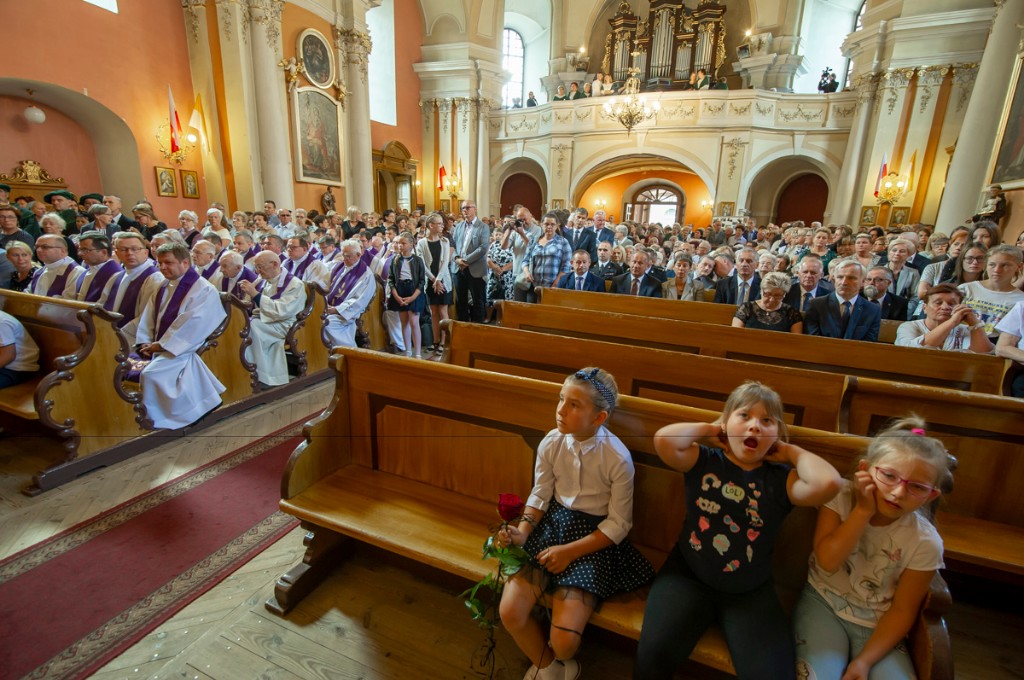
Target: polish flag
x,y
441,174
176,130
882,172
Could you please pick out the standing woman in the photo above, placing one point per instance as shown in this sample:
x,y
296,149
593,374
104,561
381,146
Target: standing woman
x,y
994,296
862,250
547,257
436,252
499,273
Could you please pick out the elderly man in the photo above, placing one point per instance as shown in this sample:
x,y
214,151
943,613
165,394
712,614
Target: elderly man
x,y
272,243
59,274
245,247
118,221
844,314
204,261
876,289
302,264
177,387
471,238
636,281
66,205
604,233
622,236
516,235
233,272
808,274
744,284
285,227
282,298
351,292
94,284
134,288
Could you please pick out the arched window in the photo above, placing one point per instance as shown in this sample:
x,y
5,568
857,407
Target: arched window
x,y
512,60
858,24
660,203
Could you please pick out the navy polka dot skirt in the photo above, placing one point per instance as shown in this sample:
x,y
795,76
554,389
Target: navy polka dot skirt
x,y
615,569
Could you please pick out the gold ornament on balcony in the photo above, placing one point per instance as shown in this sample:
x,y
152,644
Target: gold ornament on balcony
x,y
632,108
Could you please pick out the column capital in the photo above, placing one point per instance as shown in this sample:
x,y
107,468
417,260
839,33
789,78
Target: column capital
x,y
194,9
964,76
268,14
355,47
226,10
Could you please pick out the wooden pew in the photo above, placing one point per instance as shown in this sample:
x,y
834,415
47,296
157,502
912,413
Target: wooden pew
x,y
82,360
468,435
985,432
957,370
224,352
701,312
304,339
370,323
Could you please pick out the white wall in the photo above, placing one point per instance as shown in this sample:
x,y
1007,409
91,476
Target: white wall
x,y
383,103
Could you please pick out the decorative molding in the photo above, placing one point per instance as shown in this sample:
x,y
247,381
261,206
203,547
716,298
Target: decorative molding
x,y
844,111
809,116
735,148
546,117
267,13
563,119
227,18
928,79
561,149
866,86
713,110
765,110
521,124
30,172
193,9
355,47
583,114
444,106
679,111
496,124
894,80
462,105
964,76
739,110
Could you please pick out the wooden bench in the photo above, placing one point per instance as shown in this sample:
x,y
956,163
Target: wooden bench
x,y
369,325
224,352
414,465
702,312
78,395
985,432
957,370
304,339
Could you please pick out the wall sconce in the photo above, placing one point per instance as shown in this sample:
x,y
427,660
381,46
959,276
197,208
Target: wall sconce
x,y
601,204
452,184
33,113
894,186
707,204
163,138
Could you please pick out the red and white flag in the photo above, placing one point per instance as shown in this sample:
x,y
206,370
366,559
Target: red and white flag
x,y
441,174
176,130
882,172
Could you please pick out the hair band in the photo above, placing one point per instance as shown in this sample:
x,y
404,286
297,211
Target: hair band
x,y
602,389
918,431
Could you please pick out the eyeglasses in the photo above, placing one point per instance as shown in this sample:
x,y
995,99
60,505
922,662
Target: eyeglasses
x,y
89,250
44,247
888,477
136,249
973,258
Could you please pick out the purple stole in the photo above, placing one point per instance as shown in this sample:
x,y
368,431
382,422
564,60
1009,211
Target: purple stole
x,y
57,287
211,269
244,275
280,289
368,255
300,269
251,253
131,296
343,286
185,284
109,268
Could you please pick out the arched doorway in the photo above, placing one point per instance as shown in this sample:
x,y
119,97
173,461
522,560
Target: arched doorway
x,y
394,184
521,188
804,198
659,203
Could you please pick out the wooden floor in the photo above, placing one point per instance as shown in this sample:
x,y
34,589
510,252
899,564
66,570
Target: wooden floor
x,y
373,619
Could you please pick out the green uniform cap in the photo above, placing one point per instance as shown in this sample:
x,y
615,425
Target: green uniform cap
x,y
61,192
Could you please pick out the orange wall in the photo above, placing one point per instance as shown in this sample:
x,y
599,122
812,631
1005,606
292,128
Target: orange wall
x,y
124,61
409,131
613,188
294,20
60,145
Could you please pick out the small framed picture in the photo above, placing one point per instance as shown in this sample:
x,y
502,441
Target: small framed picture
x,y
557,204
166,181
446,206
868,216
726,209
900,215
189,184
743,51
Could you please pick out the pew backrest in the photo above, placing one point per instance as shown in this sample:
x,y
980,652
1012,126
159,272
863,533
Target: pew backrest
x,y
304,338
224,351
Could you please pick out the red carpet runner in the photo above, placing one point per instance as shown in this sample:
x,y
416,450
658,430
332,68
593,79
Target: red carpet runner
x,y
74,602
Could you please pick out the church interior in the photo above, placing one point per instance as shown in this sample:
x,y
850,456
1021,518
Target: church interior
x,y
423,106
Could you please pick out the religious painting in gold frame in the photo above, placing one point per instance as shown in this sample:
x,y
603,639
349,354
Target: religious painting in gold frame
x,y
726,209
868,216
317,57
189,184
446,206
900,216
317,121
166,181
1008,166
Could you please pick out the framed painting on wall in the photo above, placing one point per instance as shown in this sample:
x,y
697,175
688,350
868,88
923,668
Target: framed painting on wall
x,y
726,209
446,206
189,184
900,215
317,120
557,204
317,58
1008,168
166,184
868,216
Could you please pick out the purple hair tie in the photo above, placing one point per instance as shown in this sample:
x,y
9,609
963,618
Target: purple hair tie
x,y
918,431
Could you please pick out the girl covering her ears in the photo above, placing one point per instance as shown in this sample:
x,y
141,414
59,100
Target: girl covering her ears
x,y
742,478
875,554
574,526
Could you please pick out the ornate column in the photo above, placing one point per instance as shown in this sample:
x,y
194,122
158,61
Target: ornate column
x,y
482,109
968,171
354,46
271,101
850,185
239,103
428,107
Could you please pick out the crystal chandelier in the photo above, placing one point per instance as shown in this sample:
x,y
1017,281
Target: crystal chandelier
x,y
632,109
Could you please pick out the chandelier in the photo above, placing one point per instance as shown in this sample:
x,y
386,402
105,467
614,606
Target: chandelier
x,y
632,109
892,188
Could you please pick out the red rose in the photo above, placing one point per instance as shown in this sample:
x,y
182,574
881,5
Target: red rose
x,y
510,506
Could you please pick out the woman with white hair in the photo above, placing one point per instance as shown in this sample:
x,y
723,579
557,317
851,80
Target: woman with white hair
x,y
189,226
52,223
769,312
19,254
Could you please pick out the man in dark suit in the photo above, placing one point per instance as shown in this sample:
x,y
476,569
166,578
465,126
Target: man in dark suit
x,y
744,284
845,313
470,239
604,233
604,267
581,278
635,282
876,289
119,222
810,284
579,237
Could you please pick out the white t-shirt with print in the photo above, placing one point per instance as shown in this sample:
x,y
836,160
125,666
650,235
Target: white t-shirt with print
x,y
1013,323
990,306
862,589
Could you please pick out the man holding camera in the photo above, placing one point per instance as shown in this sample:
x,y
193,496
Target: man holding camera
x,y
517,230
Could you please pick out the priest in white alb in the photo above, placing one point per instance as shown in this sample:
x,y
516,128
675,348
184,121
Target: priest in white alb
x,y
59,273
303,264
94,284
274,311
352,289
134,288
177,387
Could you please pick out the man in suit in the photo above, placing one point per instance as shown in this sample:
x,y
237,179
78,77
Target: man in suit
x,y
635,282
876,289
808,275
581,278
118,222
604,233
744,284
845,313
579,237
470,241
604,267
